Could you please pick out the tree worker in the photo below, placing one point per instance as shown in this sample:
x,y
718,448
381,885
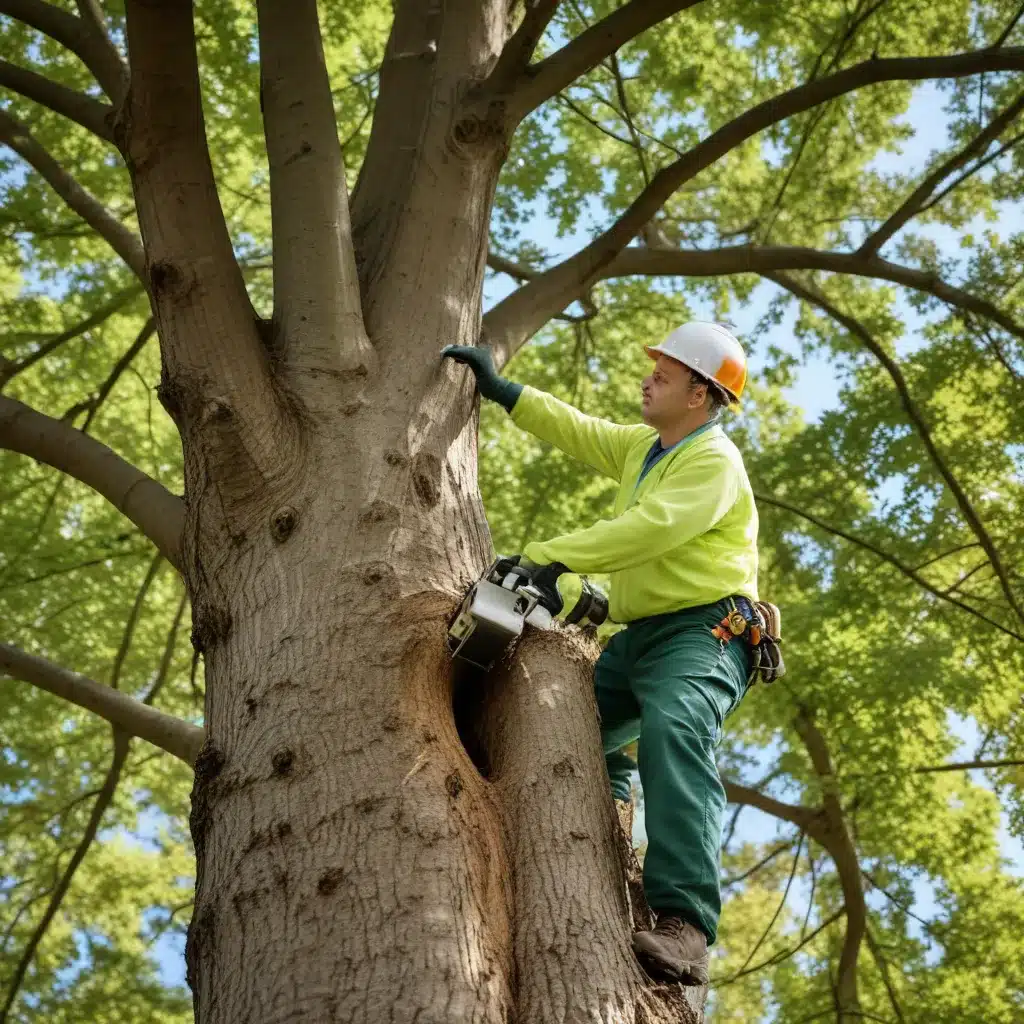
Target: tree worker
x,y
681,552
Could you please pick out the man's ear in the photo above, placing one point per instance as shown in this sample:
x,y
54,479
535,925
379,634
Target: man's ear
x,y
698,395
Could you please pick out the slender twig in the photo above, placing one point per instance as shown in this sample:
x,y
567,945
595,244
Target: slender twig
x,y
855,327
946,554
782,955
883,970
907,570
896,901
101,315
126,360
916,200
814,885
778,909
763,862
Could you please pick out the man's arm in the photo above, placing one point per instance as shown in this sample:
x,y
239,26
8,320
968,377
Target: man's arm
x,y
598,443
660,522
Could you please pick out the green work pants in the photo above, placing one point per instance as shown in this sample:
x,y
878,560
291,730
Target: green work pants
x,y
669,682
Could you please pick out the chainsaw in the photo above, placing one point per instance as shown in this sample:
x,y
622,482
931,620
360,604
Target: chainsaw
x,y
508,597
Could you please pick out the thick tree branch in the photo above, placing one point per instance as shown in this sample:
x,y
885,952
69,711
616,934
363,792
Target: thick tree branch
x,y
1010,26
207,326
96,53
855,327
916,200
807,819
524,312
758,259
122,240
148,504
587,50
108,57
518,51
909,571
133,717
89,113
317,307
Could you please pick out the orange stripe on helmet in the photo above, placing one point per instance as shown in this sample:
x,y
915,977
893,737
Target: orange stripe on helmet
x,y
732,375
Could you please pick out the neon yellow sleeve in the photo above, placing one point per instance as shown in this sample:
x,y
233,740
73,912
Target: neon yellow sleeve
x,y
599,443
679,510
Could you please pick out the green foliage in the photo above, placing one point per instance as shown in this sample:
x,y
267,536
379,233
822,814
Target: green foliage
x,y
894,674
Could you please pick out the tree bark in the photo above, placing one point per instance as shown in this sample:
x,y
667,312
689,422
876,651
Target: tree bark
x,y
571,921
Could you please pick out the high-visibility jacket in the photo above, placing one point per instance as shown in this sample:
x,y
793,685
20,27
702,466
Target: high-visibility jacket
x,y
684,535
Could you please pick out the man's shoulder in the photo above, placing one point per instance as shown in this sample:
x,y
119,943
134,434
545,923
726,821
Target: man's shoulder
x,y
714,446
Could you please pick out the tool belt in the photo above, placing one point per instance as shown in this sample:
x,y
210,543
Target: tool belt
x,y
760,625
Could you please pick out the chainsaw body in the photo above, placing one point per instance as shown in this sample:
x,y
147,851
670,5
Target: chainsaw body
x,y
494,613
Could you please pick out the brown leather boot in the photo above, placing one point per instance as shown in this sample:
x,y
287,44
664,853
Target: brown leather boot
x,y
674,951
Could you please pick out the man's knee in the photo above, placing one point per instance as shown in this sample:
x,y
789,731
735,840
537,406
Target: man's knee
x,y
683,723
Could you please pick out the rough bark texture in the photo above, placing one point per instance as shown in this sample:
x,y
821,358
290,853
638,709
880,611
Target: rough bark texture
x,y
568,855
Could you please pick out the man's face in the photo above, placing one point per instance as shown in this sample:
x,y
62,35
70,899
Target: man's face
x,y
666,393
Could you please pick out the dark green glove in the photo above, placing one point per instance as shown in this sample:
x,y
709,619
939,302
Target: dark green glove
x,y
489,382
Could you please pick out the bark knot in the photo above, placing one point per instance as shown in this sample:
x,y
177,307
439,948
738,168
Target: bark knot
x,y
211,625
330,880
426,479
378,511
283,761
218,411
453,784
480,127
166,278
283,523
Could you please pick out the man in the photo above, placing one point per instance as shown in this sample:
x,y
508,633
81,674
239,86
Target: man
x,y
681,551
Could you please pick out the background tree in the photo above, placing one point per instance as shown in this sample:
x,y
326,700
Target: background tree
x,y
351,856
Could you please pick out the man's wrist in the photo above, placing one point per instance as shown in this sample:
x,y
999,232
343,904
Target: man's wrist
x,y
501,390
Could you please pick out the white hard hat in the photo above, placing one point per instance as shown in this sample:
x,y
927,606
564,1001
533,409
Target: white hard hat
x,y
710,350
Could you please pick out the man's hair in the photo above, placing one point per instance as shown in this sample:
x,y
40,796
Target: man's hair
x,y
717,397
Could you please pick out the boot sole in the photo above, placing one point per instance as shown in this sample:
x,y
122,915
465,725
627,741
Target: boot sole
x,y
689,973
